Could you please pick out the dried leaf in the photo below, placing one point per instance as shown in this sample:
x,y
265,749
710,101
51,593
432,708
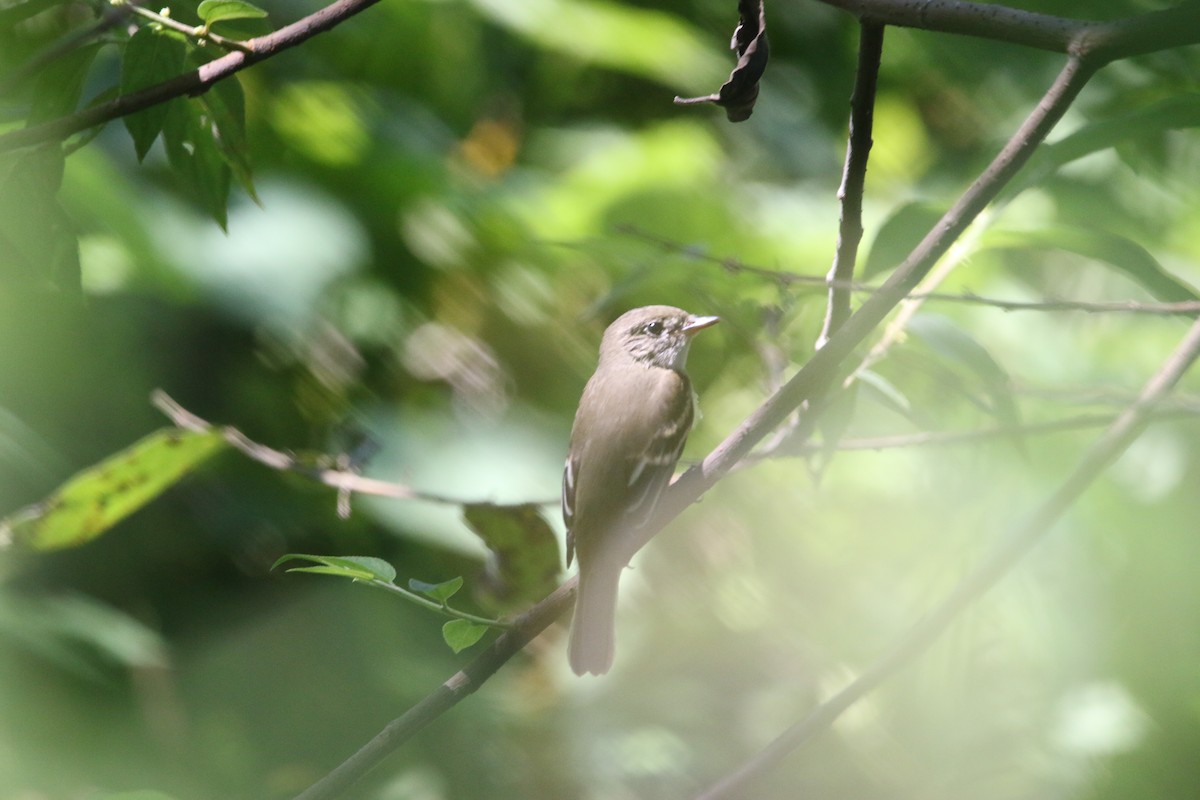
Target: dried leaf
x,y
738,94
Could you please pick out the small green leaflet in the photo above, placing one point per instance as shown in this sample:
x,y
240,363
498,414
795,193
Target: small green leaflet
x,y
359,568
460,634
214,11
441,592
102,495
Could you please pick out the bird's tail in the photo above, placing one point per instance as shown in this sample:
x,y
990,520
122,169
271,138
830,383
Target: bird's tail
x,y
593,628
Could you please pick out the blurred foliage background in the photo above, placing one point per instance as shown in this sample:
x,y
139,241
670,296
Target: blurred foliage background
x,y
447,189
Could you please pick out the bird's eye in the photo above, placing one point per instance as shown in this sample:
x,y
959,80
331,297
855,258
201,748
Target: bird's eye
x,y
654,328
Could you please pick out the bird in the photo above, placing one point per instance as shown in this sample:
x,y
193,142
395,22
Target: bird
x,y
633,419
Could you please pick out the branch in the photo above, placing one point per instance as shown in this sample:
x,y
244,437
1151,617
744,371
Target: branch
x,y
344,480
854,176
191,83
1098,41
1123,431
457,688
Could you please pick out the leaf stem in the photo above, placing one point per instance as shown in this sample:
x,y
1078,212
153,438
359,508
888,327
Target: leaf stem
x,y
441,608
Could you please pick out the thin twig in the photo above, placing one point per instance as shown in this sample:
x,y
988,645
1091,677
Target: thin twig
x,y
946,438
197,32
1186,308
854,176
340,479
1010,550
191,83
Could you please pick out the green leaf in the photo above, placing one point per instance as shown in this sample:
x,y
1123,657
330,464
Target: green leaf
x,y
190,136
1173,113
37,239
897,237
359,568
99,497
526,550
441,592
956,346
1126,255
59,84
214,11
151,57
885,392
461,634
225,105
142,794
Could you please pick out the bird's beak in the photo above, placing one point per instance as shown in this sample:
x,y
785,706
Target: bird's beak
x,y
699,323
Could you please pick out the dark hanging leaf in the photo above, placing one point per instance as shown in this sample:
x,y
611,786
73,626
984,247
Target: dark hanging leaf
x,y
59,84
151,57
738,94
225,105
190,134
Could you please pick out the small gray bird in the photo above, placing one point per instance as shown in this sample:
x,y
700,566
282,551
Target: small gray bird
x,y
633,419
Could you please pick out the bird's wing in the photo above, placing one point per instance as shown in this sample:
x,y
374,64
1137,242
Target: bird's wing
x,y
650,473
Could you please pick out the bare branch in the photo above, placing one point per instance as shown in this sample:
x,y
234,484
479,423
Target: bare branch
x,y
1093,41
854,176
344,480
190,83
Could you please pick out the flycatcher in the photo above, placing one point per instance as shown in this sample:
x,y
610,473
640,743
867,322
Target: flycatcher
x,y
633,419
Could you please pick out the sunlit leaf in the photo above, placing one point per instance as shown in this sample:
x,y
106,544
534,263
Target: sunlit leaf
x,y
1125,255
151,56
213,11
99,497
441,592
1177,112
897,237
526,552
461,634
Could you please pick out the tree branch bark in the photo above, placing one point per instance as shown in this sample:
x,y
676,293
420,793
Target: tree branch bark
x,y
854,177
191,83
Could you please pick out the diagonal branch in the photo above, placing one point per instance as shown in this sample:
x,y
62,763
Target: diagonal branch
x,y
1114,441
191,83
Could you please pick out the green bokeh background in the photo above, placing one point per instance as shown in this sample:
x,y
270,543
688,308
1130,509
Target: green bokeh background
x,y
446,189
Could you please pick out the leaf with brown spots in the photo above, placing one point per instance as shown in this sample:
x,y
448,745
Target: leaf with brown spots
x,y
97,498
